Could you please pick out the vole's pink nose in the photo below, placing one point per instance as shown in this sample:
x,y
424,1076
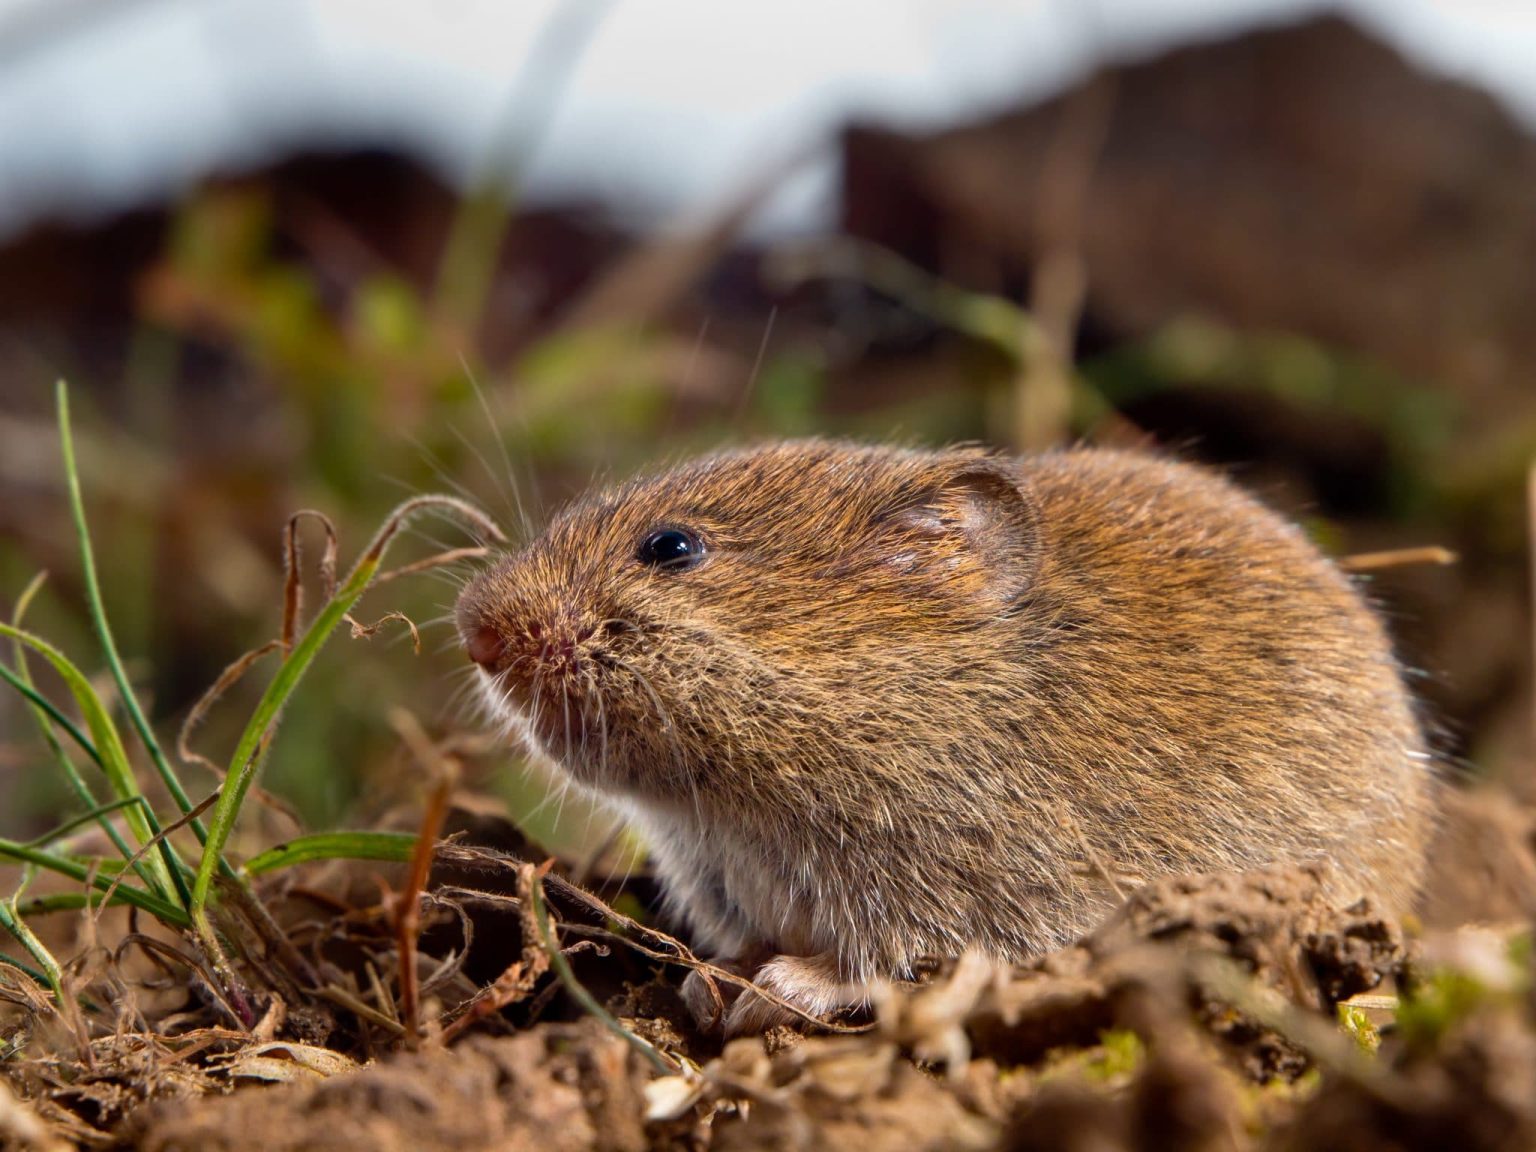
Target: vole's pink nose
x,y
486,647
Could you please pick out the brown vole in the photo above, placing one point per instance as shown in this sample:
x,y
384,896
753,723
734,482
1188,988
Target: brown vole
x,y
867,704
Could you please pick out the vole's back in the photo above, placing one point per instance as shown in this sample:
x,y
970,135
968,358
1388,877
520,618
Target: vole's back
x,y
1193,627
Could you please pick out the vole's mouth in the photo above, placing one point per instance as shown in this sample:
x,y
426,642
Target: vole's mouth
x,y
558,714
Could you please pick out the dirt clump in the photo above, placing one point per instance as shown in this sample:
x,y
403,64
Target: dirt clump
x,y
1204,1016
1274,925
841,1092
563,1088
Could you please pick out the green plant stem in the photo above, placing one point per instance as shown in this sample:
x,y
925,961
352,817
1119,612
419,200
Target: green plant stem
x,y
576,988
47,716
66,902
97,813
104,631
161,909
254,741
48,708
45,712
391,846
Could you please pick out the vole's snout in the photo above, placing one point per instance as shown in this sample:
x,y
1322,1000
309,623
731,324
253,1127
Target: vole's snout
x,y
524,645
555,646
484,643
486,647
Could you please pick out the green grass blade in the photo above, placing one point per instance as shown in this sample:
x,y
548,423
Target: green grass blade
x,y
42,704
161,909
392,846
67,902
562,966
104,630
254,740
48,716
163,867
99,813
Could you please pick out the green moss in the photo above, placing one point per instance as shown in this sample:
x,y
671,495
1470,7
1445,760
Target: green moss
x,y
1118,1054
1359,1026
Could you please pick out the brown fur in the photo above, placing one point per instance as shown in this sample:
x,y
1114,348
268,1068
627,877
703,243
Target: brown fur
x,y
913,702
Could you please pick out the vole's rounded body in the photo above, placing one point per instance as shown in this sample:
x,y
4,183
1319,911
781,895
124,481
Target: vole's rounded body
x,y
898,703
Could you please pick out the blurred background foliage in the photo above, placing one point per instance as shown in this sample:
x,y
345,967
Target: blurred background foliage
x,y
1276,252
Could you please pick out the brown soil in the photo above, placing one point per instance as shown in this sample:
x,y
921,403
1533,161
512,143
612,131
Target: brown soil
x,y
1203,1015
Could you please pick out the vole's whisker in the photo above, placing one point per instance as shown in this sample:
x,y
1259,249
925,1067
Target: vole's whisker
x,y
516,505
439,471
418,531
663,715
443,624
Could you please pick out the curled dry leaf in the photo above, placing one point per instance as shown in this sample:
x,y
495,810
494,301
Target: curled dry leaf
x,y
286,1062
670,1097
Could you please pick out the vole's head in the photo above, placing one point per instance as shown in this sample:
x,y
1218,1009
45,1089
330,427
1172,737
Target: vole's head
x,y
749,611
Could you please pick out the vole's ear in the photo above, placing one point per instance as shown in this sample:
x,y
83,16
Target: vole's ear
x,y
975,525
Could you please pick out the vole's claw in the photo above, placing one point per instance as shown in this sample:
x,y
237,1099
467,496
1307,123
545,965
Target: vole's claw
x,y
708,1009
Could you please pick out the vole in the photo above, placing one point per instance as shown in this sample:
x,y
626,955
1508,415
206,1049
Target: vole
x,y
867,704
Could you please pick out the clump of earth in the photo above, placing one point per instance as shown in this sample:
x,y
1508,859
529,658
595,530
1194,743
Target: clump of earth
x,y
1210,1012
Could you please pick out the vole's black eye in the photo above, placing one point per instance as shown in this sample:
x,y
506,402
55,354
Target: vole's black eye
x,y
671,549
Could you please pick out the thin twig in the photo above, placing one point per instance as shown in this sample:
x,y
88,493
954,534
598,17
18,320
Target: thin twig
x,y
352,1003
408,904
227,680
441,560
672,951
520,977
293,575
154,841
1398,558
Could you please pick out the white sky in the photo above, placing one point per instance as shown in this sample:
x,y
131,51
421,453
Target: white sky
x,y
672,104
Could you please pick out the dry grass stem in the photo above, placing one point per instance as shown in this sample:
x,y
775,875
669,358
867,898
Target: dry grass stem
x,y
1398,558
227,680
362,631
293,578
444,770
440,560
520,977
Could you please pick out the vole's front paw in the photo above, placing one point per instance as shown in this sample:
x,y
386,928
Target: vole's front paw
x,y
810,983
